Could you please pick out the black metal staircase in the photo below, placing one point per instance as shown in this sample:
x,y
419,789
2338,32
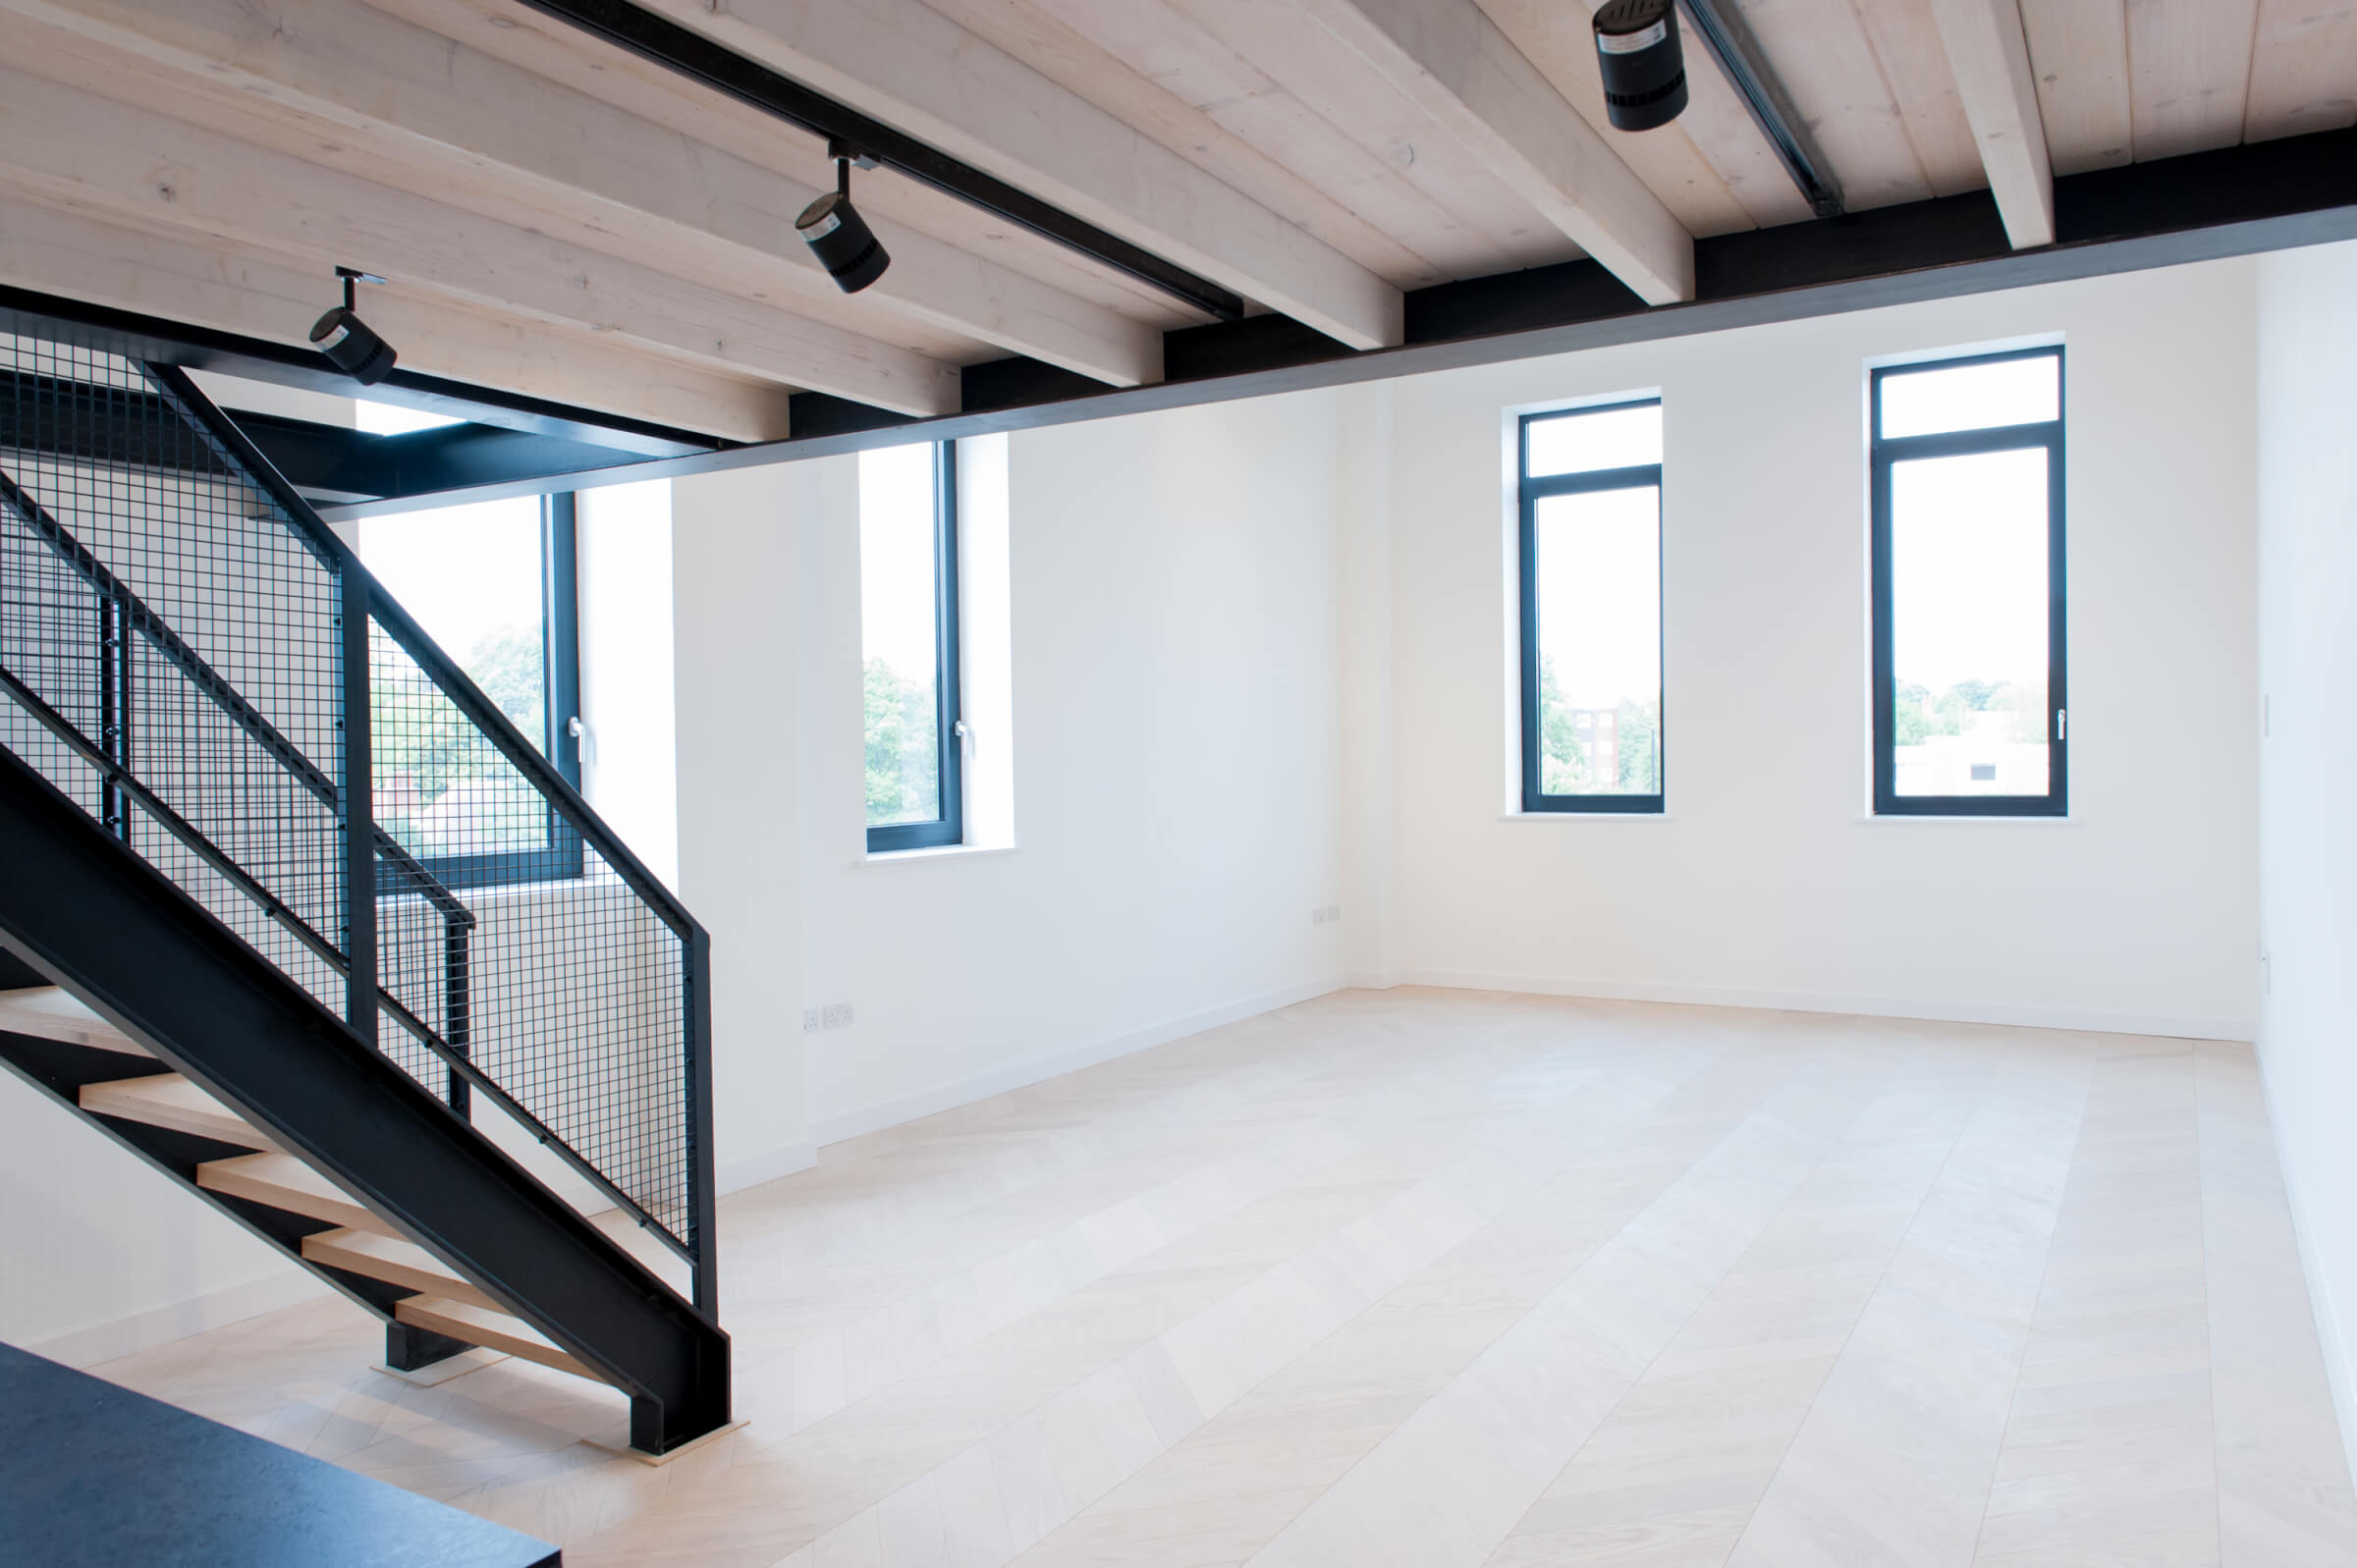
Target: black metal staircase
x,y
323,902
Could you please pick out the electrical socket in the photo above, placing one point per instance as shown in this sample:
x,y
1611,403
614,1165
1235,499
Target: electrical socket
x,y
1325,914
810,1019
838,1015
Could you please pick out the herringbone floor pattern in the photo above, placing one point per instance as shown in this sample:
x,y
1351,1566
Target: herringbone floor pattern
x,y
1440,1280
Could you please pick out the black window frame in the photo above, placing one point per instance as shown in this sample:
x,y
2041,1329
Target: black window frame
x,y
1884,453
949,826
563,858
1530,492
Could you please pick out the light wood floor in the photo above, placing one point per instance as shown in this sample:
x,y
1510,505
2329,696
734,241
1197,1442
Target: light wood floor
x,y
1438,1278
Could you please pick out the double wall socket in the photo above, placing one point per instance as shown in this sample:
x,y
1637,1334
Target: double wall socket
x,y
1325,914
834,1015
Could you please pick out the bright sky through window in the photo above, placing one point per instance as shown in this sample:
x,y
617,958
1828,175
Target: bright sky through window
x,y
1973,396
470,577
391,420
899,635
1968,568
1600,595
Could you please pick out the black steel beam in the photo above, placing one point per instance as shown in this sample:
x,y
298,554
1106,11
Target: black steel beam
x,y
87,913
327,462
699,58
1722,28
2235,201
159,342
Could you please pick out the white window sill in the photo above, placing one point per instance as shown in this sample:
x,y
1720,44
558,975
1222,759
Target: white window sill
x,y
1872,821
947,852
1586,815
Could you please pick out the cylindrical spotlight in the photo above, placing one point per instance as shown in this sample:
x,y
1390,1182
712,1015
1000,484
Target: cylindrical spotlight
x,y
352,348
1644,72
837,235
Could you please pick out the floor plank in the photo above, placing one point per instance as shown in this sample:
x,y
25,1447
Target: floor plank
x,y
1432,1278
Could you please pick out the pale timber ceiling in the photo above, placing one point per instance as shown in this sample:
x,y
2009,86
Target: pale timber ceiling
x,y
560,218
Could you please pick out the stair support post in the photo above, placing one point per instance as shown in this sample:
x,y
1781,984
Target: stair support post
x,y
359,811
114,711
409,1348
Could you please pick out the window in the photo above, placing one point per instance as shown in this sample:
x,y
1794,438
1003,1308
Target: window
x,y
1591,577
1969,713
495,585
909,646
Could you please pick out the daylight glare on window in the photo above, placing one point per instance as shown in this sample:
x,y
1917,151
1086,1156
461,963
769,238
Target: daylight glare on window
x,y
1968,646
472,578
1598,562
392,419
1971,397
1584,441
899,636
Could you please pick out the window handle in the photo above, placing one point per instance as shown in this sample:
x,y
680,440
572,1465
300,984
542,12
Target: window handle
x,y
574,727
2062,724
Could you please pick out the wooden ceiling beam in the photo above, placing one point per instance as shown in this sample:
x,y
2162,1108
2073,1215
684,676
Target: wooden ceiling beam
x,y
1990,55
82,257
63,146
356,89
913,68
1453,62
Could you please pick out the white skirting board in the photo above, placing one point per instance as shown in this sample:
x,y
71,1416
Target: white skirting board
x,y
2169,1025
734,1175
177,1320
948,1097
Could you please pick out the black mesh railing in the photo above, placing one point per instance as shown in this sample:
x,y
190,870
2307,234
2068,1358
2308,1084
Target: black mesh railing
x,y
186,650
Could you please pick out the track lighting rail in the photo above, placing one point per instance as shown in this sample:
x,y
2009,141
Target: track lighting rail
x,y
692,55
1731,41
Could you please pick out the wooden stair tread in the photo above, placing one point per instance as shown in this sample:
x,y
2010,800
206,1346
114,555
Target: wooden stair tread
x,y
393,1261
168,1100
490,1329
51,1013
283,1181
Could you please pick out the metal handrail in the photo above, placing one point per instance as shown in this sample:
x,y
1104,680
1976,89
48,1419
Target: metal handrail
x,y
142,618
455,684
364,600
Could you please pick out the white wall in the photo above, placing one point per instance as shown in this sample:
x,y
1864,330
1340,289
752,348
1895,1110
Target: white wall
x,y
1173,757
739,576
2306,320
1767,884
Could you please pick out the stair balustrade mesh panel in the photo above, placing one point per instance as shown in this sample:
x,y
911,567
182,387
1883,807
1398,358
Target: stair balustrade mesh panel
x,y
154,601
161,608
574,989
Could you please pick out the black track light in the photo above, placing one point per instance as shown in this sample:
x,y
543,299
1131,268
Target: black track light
x,y
837,235
1644,71
348,342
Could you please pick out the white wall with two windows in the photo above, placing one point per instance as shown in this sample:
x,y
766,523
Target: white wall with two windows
x,y
1767,882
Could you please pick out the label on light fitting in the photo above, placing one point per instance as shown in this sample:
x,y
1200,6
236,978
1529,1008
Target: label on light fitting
x,y
1631,42
824,227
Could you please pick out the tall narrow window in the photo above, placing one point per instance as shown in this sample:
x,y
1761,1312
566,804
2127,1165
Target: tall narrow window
x,y
495,585
908,645
1591,574
1970,716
